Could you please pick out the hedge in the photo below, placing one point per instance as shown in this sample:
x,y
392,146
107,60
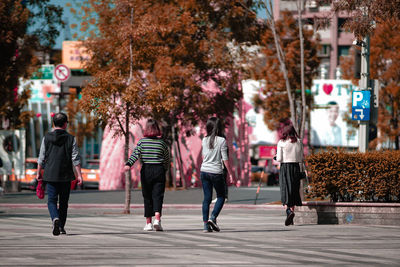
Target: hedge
x,y
346,176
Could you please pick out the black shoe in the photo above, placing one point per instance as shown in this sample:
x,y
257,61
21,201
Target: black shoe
x,y
56,226
289,218
62,231
213,224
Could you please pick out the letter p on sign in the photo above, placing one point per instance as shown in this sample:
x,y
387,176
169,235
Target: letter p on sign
x,y
357,97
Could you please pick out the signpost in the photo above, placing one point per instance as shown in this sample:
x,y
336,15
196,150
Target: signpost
x,y
62,74
360,107
363,139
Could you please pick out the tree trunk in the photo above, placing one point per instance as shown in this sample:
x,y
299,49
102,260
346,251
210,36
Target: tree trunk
x,y
281,57
179,158
173,157
300,4
128,180
127,173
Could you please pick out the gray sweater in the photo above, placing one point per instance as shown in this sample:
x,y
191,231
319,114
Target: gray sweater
x,y
212,158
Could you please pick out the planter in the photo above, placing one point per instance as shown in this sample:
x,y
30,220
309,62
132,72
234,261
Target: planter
x,y
348,213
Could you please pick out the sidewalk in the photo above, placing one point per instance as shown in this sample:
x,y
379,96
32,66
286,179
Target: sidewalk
x,y
248,238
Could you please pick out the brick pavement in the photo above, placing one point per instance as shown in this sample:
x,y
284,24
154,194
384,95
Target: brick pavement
x,y
249,237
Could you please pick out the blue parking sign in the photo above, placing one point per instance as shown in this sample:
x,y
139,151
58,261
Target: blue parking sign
x,y
360,105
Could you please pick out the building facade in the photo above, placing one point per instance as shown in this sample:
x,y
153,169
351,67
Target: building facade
x,y
335,41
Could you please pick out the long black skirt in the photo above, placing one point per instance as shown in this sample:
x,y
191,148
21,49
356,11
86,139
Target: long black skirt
x,y
289,182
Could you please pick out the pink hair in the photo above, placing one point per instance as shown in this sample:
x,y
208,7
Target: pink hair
x,y
151,129
286,130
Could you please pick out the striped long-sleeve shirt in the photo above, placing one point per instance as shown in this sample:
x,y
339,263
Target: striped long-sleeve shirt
x,y
150,151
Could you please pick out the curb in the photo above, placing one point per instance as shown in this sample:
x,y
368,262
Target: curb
x,y
135,206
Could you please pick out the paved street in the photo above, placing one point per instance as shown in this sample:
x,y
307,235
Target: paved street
x,y
242,195
99,235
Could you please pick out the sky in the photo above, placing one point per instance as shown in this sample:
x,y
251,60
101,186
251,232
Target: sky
x,y
67,17
72,19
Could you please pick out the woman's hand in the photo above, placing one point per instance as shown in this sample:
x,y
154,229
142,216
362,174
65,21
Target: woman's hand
x,y
127,168
231,178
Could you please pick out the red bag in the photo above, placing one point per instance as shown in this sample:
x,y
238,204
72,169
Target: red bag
x,y
73,184
40,189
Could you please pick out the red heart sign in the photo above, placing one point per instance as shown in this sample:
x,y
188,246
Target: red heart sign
x,y
327,88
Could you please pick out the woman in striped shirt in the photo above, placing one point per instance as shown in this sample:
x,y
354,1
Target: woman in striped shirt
x,y
154,156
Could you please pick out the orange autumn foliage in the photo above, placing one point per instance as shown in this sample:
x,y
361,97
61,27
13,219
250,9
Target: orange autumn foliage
x,y
344,176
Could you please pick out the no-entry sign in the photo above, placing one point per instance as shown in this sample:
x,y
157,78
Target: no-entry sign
x,y
62,72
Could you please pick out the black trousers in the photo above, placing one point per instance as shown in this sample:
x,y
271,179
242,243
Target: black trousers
x,y
152,177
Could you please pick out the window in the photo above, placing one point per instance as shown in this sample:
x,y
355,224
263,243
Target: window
x,y
341,22
324,51
343,50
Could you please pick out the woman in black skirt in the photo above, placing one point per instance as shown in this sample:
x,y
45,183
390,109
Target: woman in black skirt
x,y
289,153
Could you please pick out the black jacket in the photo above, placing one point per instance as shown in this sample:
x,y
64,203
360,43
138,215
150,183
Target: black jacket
x,y
58,157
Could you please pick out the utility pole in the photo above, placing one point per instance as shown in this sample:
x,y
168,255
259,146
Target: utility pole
x,y
363,138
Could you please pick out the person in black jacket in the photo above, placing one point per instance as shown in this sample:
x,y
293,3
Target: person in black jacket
x,y
59,157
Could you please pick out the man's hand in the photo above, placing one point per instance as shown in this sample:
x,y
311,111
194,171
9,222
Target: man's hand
x,y
39,172
127,168
80,180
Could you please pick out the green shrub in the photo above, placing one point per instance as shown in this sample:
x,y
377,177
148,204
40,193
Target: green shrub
x,y
344,176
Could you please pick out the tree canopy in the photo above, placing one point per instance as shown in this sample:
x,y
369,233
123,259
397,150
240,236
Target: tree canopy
x,y
19,48
364,14
276,102
156,56
385,67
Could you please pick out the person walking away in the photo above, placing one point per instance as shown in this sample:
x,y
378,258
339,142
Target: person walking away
x,y
215,156
290,156
225,179
59,157
154,156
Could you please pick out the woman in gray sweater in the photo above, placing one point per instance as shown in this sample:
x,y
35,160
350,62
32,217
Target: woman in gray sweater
x,y
289,153
215,155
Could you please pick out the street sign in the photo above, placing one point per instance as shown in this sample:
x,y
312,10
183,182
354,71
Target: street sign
x,y
62,72
360,107
45,72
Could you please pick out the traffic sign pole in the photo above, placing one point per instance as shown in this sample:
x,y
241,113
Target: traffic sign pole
x,y
62,74
363,138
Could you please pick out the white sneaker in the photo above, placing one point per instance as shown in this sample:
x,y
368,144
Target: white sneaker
x,y
215,200
148,227
157,225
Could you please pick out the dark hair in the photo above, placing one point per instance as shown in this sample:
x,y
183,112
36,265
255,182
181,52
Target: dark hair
x,y
151,129
60,119
214,128
286,130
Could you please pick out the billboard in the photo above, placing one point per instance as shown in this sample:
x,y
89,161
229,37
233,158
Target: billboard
x,y
73,54
259,134
331,104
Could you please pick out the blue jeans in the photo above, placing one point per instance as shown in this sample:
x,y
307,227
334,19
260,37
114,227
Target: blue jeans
x,y
210,180
58,191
